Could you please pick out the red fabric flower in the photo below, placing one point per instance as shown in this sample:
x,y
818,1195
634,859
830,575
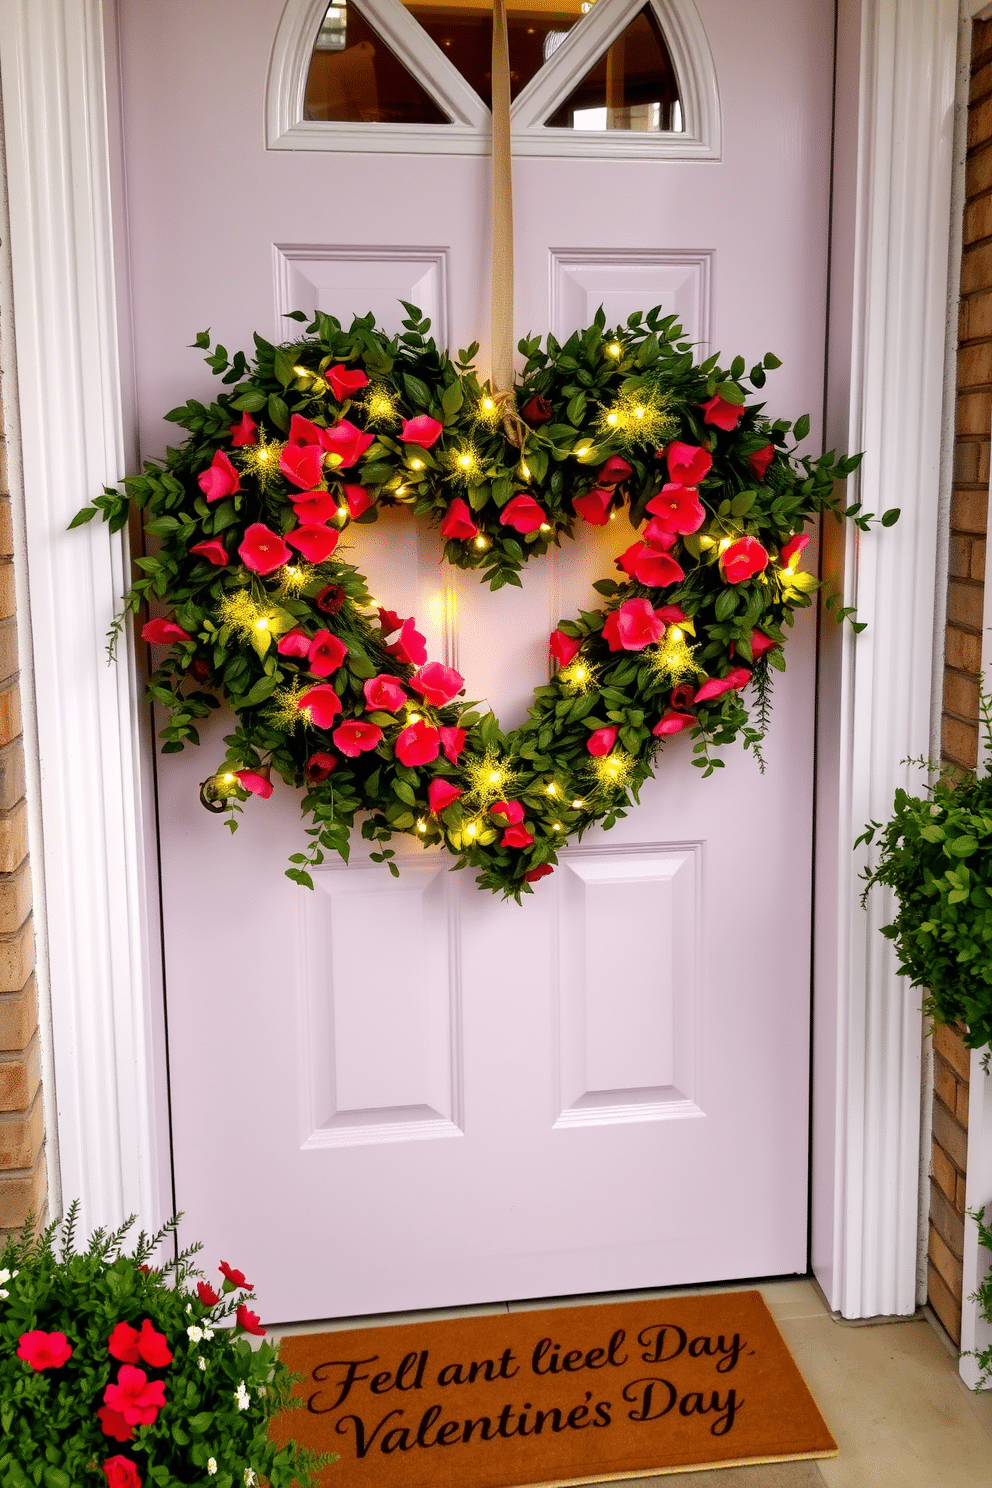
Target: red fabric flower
x,y
344,383
678,508
138,1399
262,550
791,550
302,465
163,632
672,615
523,514
564,647
322,705
295,642
256,782
315,541
250,1321
633,626
317,506
742,560
114,1424
722,414
541,871
345,441
214,551
200,669
123,1343
458,522
422,430
601,741
688,464
760,643
154,1346
516,837
355,737
44,1350
614,471
537,410
330,599
303,431
244,433
389,620
326,653
673,722
437,684
512,812
384,692
411,647
649,567
237,1278
760,460
418,744
594,506
441,793
452,743
358,500
219,479
714,687
206,1293
657,535
683,697
318,767
120,1472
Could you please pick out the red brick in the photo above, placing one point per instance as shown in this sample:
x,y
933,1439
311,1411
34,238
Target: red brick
x,y
981,83
963,651
950,1135
947,1307
950,1045
966,456
946,1263
975,361
20,1076
959,741
21,1136
22,1192
970,512
944,1173
976,268
978,171
18,1016
945,1085
961,695
959,554
980,122
974,415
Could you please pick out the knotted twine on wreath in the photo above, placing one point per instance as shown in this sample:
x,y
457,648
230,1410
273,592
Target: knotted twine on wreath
x,y
502,235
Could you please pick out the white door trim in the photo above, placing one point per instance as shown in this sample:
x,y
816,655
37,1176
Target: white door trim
x,y
890,275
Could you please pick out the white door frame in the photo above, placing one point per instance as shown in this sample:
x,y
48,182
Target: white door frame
x,y
68,405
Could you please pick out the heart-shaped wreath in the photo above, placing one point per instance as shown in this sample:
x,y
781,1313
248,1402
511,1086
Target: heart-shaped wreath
x,y
339,698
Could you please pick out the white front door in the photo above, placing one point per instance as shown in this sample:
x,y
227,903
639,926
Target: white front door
x,y
400,1093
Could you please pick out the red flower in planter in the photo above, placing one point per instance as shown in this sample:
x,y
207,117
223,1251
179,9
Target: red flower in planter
x,y
355,737
601,741
316,769
678,508
512,812
614,471
262,550
418,744
250,1321
458,522
594,506
452,743
244,433
344,383
234,1277
154,1346
441,793
219,479
326,653
358,500
760,460
214,551
541,871
722,414
516,837
760,643
123,1343
742,560
206,1293
322,705
114,1424
422,430
345,441
673,722
633,626
384,692
257,783
564,647
302,465
163,632
138,1398
411,646
44,1350
316,506
437,684
295,642
120,1472
523,514
688,464
537,410
315,541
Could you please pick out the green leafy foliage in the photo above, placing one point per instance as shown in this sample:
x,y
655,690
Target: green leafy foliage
x,y
50,1433
984,1298
935,853
600,415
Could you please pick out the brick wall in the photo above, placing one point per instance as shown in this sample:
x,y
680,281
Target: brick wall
x,y
22,1167
963,651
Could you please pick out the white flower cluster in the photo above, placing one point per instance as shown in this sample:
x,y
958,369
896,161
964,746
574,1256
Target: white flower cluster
x,y
241,1397
196,1334
5,1276
250,1477
211,1465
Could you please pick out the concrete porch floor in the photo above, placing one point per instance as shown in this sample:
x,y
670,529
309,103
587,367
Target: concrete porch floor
x,y
890,1393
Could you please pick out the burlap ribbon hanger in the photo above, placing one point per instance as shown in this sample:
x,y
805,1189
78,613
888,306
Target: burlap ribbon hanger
x,y
502,234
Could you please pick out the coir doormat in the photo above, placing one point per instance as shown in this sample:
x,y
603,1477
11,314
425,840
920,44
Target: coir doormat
x,y
566,1395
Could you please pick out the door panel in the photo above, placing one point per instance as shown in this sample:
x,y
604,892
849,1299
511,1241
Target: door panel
x,y
403,1093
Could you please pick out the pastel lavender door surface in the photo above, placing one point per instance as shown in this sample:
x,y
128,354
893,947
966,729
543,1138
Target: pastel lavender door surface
x,y
402,1093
